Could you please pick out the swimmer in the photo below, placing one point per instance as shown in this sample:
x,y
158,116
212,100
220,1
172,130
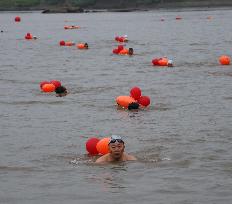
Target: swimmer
x,y
61,91
86,45
130,51
116,152
1,31
34,37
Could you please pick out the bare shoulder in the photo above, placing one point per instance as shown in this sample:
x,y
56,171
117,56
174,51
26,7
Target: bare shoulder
x,y
102,159
130,157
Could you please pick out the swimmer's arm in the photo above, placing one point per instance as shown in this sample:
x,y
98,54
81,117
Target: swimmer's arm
x,y
101,160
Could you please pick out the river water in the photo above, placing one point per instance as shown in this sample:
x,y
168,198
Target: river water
x,y
182,141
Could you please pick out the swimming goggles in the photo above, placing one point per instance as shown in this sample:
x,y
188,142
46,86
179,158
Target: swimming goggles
x,y
115,138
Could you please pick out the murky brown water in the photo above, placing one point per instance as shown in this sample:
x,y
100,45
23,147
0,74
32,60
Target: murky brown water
x,y
183,141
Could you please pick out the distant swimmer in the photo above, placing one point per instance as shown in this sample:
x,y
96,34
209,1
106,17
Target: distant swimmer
x,y
61,91
116,152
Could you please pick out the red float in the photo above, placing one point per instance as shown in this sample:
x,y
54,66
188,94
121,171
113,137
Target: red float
x,y
120,47
136,93
91,145
55,83
62,43
17,19
115,51
28,36
144,101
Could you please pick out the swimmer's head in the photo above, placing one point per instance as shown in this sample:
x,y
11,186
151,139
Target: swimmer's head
x,y
170,63
61,91
116,147
86,45
131,51
133,106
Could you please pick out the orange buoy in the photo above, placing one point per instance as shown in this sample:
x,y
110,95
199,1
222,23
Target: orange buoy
x,y
102,146
17,19
127,102
81,46
124,52
224,60
48,88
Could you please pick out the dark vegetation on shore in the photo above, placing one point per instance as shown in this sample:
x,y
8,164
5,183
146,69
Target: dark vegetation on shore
x,y
78,6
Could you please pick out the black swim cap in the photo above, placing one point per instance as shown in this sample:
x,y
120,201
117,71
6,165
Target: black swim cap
x,y
133,106
60,90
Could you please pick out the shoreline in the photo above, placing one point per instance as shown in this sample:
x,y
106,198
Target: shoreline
x,y
132,9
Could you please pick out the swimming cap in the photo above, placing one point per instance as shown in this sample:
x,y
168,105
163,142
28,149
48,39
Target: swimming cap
x,y
115,138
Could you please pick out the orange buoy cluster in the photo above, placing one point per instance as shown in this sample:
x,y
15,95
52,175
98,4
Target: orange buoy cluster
x,y
29,36
49,86
123,51
224,60
134,101
17,19
95,146
121,39
66,43
163,61
71,27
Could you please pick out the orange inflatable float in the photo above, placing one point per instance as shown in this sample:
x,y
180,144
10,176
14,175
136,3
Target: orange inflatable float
x,y
48,88
224,60
82,46
71,27
127,102
29,36
162,62
124,52
102,146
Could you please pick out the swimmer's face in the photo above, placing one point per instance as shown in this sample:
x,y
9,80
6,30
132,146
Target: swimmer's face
x,y
116,150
